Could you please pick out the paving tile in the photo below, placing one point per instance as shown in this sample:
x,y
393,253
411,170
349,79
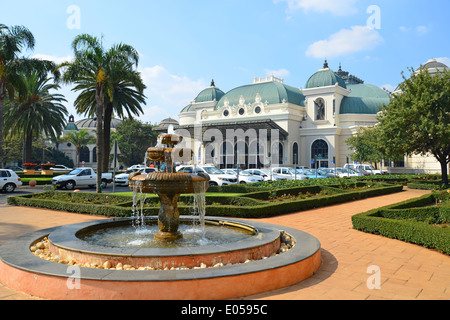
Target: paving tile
x,y
407,271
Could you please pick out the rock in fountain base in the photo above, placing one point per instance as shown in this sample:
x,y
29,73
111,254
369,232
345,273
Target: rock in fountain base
x,y
23,271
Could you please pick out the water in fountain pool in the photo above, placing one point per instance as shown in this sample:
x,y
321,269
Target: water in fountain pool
x,y
143,237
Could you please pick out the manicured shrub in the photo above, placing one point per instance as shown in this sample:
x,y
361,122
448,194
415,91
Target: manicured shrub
x,y
415,221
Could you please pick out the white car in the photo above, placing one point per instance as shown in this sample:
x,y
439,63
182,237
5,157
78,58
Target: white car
x,y
121,180
137,167
342,172
289,173
218,177
61,168
367,168
265,174
243,176
9,180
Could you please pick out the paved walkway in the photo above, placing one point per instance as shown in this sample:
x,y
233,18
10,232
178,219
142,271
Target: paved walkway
x,y
407,271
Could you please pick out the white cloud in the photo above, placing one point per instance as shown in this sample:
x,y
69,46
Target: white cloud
x,y
388,87
346,41
280,73
422,30
168,93
55,59
337,8
171,88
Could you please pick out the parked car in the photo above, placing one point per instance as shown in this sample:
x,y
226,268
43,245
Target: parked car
x,y
311,174
341,172
121,180
137,166
61,168
15,169
218,177
81,177
243,176
9,180
289,173
367,168
266,174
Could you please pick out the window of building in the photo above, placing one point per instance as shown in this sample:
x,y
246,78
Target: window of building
x,y
85,154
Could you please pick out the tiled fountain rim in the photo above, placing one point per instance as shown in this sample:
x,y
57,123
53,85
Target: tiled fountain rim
x,y
66,238
17,254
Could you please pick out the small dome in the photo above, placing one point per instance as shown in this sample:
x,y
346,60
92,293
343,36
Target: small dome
x,y
433,63
325,78
210,94
364,99
92,124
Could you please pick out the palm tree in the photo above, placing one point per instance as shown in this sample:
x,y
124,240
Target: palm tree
x,y
12,41
123,98
92,65
37,110
79,139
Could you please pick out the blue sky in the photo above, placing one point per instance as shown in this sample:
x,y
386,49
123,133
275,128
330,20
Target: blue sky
x,y
186,43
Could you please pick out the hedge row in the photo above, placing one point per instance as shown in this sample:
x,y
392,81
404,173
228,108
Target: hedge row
x,y
241,207
410,224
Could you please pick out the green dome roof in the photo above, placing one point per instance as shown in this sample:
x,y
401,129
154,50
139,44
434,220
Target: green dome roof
x,y
325,78
364,99
208,95
273,92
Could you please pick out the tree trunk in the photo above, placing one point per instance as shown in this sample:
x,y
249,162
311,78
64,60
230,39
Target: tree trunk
x,y
107,137
2,101
99,100
444,169
28,146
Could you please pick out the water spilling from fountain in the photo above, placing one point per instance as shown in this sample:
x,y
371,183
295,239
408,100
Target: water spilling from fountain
x,y
163,257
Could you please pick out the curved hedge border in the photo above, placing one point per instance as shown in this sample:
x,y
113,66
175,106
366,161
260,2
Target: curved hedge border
x,y
245,206
410,221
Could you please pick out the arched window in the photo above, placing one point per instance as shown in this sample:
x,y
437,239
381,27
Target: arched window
x,y
85,154
256,155
210,152
227,155
319,151
295,153
94,155
277,154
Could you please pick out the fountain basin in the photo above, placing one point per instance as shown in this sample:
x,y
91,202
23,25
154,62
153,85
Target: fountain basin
x,y
21,270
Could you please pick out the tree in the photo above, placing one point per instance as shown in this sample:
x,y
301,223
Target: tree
x,y
368,145
92,64
13,40
37,110
417,121
79,139
123,98
134,138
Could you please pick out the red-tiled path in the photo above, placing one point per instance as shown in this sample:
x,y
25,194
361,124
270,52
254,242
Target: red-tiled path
x,y
407,271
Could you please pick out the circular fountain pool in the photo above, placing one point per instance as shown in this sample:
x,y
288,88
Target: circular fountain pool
x,y
127,235
252,263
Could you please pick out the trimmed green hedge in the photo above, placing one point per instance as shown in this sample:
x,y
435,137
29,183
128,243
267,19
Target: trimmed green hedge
x,y
410,221
245,206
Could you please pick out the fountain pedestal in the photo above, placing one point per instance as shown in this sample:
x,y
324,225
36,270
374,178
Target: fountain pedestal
x,y
168,185
168,218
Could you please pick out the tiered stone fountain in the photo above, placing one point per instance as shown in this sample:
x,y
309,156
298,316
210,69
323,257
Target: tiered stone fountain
x,y
168,185
260,258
